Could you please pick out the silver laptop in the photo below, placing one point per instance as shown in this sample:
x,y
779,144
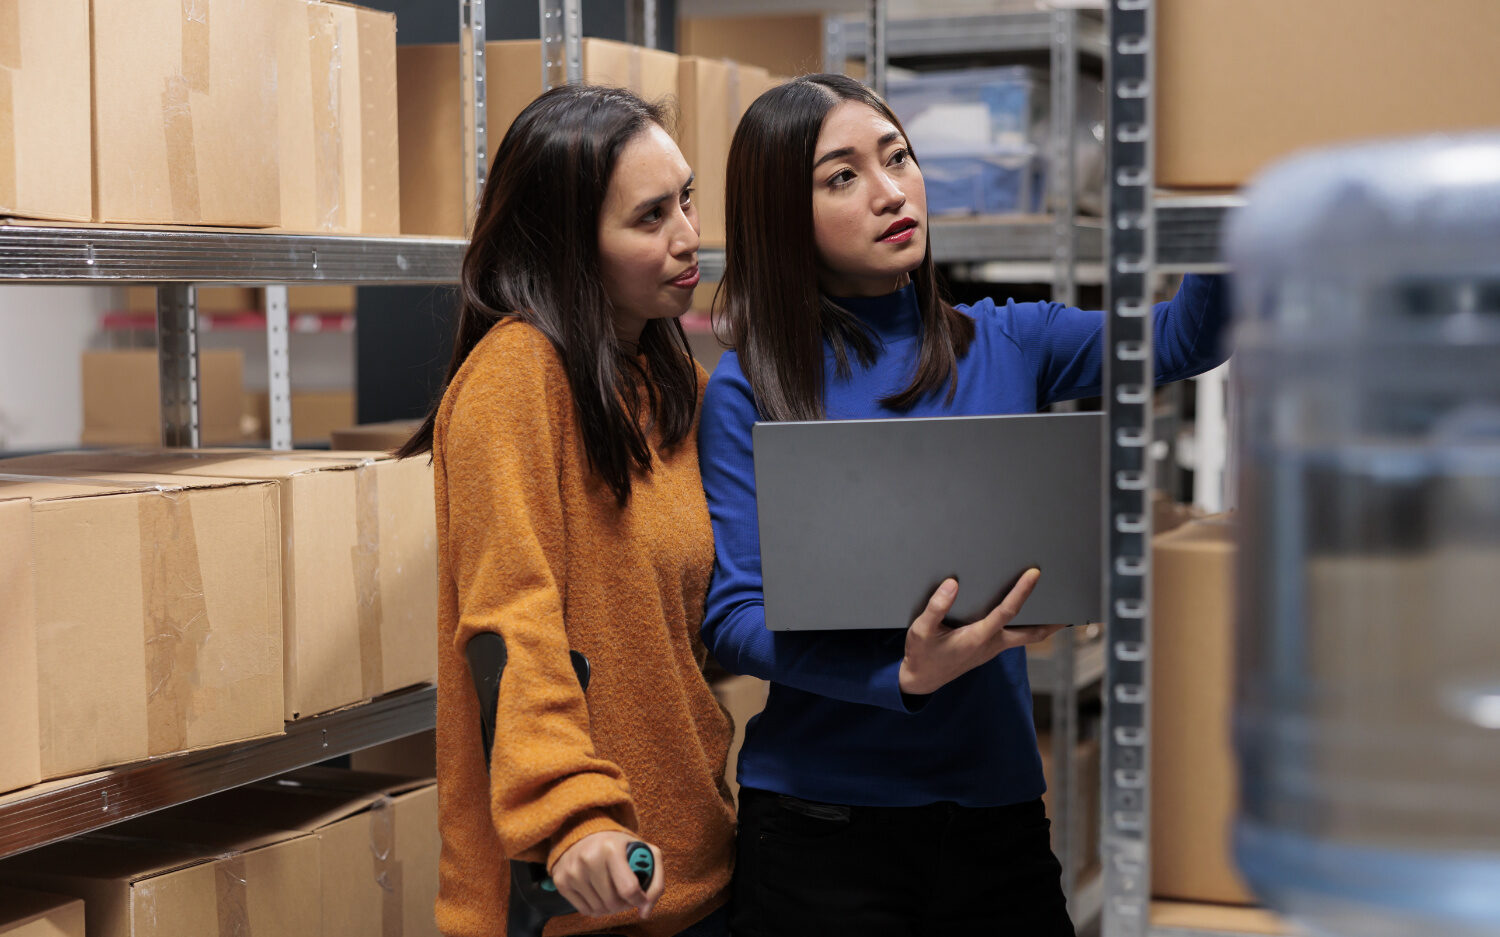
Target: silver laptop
x,y
861,520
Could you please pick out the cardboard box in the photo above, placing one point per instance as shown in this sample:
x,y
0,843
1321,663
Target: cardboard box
x,y
1195,789
1216,919
431,131
122,397
358,568
712,96
185,125
377,839
158,614
46,133
742,698
163,878
783,45
39,914
248,299
376,437
337,119
20,738
210,299
315,413
1340,73
1087,777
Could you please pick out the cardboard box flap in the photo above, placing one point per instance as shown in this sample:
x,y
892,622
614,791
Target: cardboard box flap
x,y
46,481
193,840
212,466
109,856
21,905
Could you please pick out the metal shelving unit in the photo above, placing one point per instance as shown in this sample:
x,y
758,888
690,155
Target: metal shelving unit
x,y
1018,249
176,260
1148,233
55,811
1053,248
109,256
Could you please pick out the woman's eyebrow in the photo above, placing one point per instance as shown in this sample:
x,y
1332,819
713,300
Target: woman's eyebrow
x,y
662,198
885,140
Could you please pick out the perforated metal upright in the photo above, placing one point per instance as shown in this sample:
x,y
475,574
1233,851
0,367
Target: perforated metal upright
x,y
1128,380
562,42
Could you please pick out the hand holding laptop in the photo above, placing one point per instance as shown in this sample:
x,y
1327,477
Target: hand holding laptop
x,y
937,654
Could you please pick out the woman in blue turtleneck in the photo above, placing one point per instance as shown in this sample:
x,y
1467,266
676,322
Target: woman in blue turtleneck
x,y
892,785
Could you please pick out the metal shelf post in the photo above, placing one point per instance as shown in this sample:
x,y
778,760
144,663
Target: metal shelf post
x,y
279,366
562,42
1128,385
177,363
472,92
875,51
1064,152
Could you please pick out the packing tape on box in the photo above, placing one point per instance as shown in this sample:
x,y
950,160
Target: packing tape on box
x,y
176,618
634,82
232,896
388,871
177,111
195,55
174,607
326,52
367,577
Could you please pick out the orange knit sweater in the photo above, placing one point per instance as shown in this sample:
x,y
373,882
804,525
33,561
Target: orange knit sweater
x,y
532,544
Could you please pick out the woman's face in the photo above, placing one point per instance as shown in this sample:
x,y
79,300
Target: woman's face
x,y
869,204
648,234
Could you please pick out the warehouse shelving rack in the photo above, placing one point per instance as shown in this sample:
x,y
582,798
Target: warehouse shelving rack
x,y
176,261
1062,248
1148,233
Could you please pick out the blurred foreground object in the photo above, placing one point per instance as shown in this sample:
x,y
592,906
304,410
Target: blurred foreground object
x,y
1368,706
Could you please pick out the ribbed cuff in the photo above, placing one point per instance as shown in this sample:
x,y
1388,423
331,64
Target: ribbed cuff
x,y
586,823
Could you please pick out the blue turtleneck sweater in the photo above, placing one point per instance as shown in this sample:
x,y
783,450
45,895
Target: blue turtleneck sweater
x,y
836,727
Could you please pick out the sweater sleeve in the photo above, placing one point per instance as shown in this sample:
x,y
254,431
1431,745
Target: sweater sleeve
x,y
1065,345
502,452
852,666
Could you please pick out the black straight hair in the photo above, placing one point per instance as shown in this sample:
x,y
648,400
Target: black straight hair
x,y
534,256
769,307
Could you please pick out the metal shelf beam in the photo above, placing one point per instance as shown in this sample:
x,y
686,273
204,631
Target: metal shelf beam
x,y
955,36
1029,238
59,810
43,254
1188,231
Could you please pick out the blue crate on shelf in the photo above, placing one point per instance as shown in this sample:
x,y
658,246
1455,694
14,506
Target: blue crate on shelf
x,y
997,182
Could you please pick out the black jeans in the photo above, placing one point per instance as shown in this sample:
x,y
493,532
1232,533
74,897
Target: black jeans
x,y
825,870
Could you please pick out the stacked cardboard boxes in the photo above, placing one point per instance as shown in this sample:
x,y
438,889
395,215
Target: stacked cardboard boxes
x,y
26,913
245,113
356,579
154,624
1194,784
1240,85
431,128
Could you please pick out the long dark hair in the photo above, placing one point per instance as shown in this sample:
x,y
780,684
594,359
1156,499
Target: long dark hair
x,y
769,307
534,256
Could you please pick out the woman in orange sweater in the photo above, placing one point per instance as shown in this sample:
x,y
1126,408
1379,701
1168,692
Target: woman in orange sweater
x,y
571,517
